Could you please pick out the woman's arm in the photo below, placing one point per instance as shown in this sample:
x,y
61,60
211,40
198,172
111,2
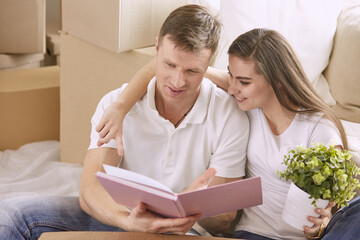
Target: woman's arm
x,y
110,125
219,77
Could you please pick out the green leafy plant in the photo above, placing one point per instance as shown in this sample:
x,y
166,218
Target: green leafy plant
x,y
323,172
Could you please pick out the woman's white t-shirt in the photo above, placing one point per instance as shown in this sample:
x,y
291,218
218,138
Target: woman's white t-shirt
x,y
265,156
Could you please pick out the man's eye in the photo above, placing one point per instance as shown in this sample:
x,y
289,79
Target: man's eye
x,y
170,65
192,71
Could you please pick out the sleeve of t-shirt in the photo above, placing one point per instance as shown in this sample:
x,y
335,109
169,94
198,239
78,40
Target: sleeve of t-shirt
x,y
325,132
104,103
229,159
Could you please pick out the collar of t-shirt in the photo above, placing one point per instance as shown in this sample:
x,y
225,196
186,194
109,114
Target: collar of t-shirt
x,y
199,110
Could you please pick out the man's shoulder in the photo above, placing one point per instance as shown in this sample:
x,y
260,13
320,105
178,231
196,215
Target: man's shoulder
x,y
218,98
222,107
111,96
213,89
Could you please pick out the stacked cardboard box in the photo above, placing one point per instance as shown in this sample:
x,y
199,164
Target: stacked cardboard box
x,y
22,28
116,25
20,61
96,58
52,56
22,31
29,106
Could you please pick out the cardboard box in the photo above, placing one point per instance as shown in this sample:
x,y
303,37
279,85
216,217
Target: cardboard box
x,y
53,38
116,25
20,61
119,236
89,72
51,60
29,106
22,26
52,56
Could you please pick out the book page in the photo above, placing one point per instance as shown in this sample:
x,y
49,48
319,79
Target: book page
x,y
223,198
130,194
135,177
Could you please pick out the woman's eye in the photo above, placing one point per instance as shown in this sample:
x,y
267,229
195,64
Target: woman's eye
x,y
244,83
170,65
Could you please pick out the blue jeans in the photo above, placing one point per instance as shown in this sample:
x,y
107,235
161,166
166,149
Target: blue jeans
x,y
343,225
29,217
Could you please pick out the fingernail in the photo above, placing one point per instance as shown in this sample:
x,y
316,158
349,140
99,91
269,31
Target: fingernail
x,y
318,211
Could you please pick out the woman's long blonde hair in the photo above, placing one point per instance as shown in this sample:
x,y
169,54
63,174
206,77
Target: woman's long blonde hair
x,y
275,59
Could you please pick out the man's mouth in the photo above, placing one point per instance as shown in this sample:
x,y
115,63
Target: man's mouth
x,y
175,92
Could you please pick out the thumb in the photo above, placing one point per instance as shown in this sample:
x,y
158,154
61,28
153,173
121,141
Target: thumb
x,y
203,180
139,209
206,178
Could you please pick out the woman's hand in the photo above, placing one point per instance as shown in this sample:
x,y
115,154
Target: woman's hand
x,y
111,127
141,220
323,219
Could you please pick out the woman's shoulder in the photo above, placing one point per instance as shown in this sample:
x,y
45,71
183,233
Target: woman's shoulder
x,y
310,118
320,128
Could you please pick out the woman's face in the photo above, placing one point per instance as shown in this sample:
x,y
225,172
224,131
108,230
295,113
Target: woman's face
x,y
250,89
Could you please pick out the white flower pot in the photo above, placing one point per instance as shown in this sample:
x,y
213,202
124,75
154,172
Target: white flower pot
x,y
298,207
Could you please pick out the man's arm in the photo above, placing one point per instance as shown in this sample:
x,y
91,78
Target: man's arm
x,y
96,202
93,198
222,222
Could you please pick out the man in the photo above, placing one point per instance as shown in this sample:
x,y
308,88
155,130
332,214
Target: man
x,y
183,123
181,127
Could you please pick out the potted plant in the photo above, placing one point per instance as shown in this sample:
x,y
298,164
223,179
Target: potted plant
x,y
321,174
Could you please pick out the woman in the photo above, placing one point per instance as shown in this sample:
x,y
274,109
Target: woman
x,y
268,82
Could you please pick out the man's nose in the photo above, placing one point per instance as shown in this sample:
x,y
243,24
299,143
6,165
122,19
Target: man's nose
x,y
178,79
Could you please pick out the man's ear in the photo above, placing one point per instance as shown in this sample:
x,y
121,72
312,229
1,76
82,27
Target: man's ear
x,y
157,43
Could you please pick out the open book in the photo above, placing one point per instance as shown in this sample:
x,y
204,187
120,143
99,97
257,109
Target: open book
x,y
129,188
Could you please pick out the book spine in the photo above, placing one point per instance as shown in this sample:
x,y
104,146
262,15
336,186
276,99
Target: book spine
x,y
180,207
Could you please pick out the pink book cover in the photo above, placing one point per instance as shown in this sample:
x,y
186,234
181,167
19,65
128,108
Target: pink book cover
x,y
128,188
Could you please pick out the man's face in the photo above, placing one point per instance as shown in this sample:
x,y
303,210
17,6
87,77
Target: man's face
x,y
178,72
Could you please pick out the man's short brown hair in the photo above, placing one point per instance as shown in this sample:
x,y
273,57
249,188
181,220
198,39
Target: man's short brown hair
x,y
192,28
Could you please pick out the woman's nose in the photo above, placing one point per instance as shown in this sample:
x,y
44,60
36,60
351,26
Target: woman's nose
x,y
232,89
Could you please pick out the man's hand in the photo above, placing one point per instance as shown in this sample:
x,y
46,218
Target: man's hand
x,y
202,181
111,126
141,220
324,218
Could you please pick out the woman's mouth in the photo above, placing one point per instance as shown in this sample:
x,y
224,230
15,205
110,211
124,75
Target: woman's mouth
x,y
240,100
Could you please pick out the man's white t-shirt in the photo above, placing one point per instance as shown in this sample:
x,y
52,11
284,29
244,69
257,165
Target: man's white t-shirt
x,y
213,134
265,156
